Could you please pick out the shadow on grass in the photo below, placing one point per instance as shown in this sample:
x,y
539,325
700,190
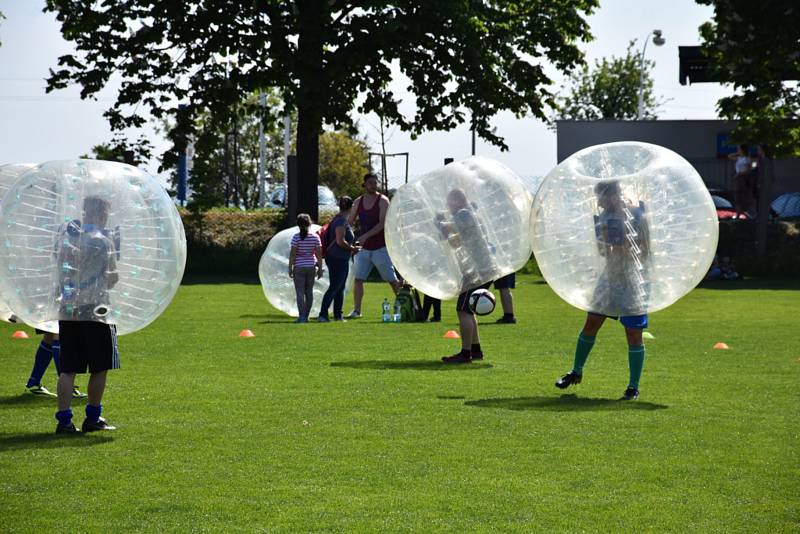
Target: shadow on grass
x,y
451,397
11,442
25,399
564,403
410,365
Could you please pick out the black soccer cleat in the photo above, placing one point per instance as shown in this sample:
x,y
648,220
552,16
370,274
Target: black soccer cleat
x,y
95,426
66,429
630,394
506,320
568,379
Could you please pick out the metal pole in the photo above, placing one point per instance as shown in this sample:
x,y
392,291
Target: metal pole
x,y
473,139
640,114
287,143
262,154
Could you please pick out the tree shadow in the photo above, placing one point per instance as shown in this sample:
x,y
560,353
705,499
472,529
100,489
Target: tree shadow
x,y
564,403
411,365
214,279
25,399
11,442
451,397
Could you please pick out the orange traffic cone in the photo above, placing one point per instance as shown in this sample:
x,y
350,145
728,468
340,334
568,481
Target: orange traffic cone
x,y
20,334
721,345
451,334
246,333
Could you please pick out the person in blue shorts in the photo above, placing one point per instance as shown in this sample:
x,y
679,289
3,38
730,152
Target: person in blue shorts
x,y
623,240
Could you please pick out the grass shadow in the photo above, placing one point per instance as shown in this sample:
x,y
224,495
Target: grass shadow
x,y
564,403
10,442
213,279
450,397
411,365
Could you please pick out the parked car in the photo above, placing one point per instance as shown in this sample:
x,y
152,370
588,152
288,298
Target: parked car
x,y
725,209
325,198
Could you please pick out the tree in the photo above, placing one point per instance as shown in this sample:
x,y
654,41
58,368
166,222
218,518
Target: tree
x,y
753,46
464,60
610,90
342,162
225,169
121,150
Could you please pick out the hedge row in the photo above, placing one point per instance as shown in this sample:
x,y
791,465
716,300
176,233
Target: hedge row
x,y
231,243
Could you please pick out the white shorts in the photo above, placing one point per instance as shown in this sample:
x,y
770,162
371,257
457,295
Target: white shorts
x,y
365,259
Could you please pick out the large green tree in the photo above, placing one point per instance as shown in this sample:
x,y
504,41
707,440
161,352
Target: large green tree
x,y
609,90
343,162
464,59
122,150
755,46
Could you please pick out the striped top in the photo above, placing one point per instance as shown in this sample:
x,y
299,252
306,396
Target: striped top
x,y
306,255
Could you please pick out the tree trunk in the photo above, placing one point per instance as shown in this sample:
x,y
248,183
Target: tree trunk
x,y
309,126
312,15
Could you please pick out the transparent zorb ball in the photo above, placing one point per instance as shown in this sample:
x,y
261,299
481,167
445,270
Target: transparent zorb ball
x,y
459,226
87,240
273,271
623,228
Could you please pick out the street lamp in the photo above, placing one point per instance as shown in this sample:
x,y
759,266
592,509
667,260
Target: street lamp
x,y
658,40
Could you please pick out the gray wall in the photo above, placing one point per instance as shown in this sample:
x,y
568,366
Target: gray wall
x,y
694,140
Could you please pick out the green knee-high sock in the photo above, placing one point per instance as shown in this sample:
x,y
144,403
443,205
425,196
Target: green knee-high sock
x,y
582,350
635,364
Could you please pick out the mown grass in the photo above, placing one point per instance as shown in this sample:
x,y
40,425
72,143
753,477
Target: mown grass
x,y
356,427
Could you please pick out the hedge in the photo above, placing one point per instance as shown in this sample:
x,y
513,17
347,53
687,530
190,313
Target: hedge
x,y
230,243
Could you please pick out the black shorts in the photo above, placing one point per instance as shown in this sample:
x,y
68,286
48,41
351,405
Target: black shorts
x,y
509,281
88,344
463,298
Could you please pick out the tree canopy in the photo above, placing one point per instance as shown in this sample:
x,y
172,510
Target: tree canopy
x,y
121,150
609,90
464,60
755,45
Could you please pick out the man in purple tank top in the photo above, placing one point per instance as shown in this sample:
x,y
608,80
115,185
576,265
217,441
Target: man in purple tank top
x,y
370,210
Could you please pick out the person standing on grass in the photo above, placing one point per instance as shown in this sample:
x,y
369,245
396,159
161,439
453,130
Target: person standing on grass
x,y
49,349
504,285
370,210
620,285
87,343
340,251
305,265
464,232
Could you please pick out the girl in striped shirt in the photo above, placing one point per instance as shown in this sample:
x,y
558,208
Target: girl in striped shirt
x,y
305,265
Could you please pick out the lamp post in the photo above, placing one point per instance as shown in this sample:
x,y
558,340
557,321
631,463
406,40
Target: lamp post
x,y
658,40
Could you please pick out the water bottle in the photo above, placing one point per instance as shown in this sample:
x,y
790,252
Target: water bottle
x,y
396,317
386,317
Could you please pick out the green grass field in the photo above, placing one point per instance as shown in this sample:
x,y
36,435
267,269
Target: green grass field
x,y
355,427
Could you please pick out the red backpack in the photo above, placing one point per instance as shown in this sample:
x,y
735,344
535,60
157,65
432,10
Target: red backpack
x,y
324,237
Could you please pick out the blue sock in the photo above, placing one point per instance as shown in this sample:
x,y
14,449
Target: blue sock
x,y
93,413
64,417
43,356
57,355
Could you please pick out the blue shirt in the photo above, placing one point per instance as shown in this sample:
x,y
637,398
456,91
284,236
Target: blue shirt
x,y
335,251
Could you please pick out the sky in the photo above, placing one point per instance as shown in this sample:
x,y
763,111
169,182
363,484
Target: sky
x,y
37,127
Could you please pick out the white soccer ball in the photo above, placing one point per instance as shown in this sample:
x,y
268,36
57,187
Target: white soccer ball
x,y
273,271
623,228
459,227
482,302
89,240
